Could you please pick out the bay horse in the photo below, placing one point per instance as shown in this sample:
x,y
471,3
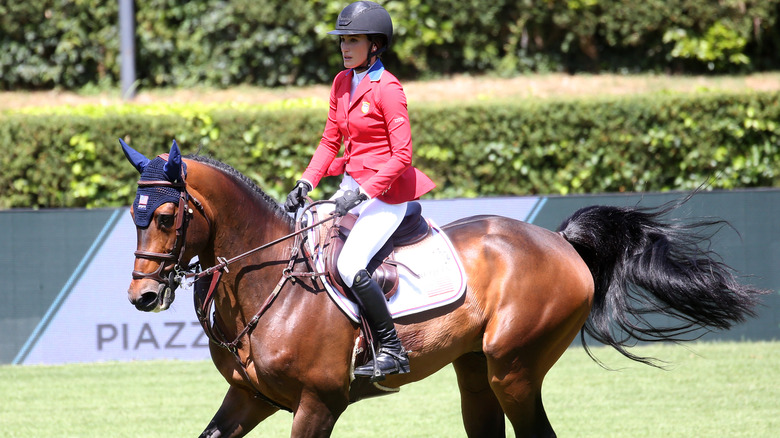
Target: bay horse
x,y
530,291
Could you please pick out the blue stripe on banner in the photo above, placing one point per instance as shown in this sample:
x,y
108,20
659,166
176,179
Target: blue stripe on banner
x,y
65,291
537,208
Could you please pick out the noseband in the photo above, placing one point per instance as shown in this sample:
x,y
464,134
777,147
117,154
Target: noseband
x,y
175,275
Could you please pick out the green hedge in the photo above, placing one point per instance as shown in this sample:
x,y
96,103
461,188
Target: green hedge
x,y
75,43
71,157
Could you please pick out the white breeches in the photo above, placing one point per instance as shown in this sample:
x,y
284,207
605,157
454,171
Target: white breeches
x,y
377,220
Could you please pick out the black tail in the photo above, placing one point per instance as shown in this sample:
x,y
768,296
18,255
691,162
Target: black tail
x,y
643,264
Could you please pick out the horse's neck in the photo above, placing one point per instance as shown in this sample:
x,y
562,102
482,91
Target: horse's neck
x,y
242,221
252,222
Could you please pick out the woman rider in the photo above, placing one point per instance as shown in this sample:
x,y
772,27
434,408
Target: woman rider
x,y
368,115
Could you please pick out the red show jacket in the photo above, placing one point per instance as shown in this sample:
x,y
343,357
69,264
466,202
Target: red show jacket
x,y
376,135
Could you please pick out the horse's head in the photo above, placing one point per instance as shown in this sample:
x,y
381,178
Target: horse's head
x,y
161,212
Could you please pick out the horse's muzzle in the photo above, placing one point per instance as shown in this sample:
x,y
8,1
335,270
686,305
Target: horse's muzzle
x,y
152,300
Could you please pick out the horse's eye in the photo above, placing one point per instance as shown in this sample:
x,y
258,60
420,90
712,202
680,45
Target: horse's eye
x,y
165,221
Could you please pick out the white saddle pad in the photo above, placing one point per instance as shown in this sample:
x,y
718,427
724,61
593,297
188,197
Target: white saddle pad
x,y
441,281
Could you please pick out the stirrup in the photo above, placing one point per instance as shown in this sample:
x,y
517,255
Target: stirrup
x,y
376,374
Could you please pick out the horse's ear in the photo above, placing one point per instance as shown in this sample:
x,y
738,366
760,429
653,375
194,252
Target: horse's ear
x,y
138,159
172,168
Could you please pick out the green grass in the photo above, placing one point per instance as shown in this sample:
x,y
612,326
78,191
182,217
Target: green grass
x,y
710,390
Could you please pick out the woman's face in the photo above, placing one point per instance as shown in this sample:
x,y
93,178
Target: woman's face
x,y
354,50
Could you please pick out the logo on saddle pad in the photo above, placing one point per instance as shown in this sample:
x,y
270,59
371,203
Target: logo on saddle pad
x,y
417,268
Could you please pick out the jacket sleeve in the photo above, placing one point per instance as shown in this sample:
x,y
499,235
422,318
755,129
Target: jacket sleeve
x,y
330,144
392,104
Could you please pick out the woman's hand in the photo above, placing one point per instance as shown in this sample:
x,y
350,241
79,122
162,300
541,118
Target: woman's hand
x,y
348,201
296,197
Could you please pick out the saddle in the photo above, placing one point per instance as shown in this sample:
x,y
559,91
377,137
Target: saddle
x,y
382,267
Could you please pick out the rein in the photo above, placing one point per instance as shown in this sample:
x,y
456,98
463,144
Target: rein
x,y
225,262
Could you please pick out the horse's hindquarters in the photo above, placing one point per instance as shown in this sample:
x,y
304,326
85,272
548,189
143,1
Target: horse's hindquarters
x,y
530,293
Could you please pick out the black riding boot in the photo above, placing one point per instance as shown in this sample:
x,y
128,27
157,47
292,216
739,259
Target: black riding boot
x,y
391,357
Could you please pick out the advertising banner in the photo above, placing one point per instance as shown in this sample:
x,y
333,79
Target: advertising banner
x,y
92,320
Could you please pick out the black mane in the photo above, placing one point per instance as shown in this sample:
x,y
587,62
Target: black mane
x,y
260,194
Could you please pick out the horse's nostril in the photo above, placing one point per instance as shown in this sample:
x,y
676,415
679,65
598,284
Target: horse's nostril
x,y
147,301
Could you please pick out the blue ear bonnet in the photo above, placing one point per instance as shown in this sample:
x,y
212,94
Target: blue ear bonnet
x,y
149,199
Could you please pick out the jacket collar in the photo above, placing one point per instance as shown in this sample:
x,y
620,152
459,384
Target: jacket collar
x,y
374,72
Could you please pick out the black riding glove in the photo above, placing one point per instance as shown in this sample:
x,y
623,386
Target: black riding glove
x,y
296,197
348,201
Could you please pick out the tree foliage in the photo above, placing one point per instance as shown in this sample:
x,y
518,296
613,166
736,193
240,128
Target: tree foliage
x,y
74,43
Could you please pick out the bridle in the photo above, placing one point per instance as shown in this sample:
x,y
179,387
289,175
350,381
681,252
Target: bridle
x,y
175,274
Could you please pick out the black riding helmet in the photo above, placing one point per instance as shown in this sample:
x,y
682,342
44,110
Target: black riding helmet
x,y
366,18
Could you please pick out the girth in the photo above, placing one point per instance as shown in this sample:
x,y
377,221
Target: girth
x,y
382,267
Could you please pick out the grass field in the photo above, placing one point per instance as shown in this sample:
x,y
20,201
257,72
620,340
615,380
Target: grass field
x,y
709,390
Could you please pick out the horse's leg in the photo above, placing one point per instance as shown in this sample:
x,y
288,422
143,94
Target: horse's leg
x,y
316,415
517,364
522,343
239,413
482,413
520,394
